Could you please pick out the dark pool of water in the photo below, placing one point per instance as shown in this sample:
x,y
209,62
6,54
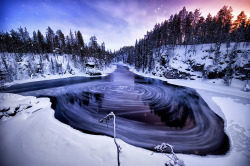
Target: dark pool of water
x,y
149,111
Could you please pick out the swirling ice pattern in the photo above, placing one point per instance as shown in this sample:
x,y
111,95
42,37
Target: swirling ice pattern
x,y
148,113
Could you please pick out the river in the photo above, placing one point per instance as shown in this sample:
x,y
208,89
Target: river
x,y
149,111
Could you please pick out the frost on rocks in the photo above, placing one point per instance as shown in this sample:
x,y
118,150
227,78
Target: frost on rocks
x,y
12,105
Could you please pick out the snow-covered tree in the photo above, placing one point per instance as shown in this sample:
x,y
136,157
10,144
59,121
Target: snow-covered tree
x,y
50,35
80,43
3,76
41,42
61,41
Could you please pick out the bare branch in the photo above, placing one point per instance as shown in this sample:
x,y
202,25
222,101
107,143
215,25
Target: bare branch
x,y
107,118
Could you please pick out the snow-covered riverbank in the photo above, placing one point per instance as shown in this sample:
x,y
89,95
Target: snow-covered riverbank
x,y
34,137
36,67
233,105
104,72
37,138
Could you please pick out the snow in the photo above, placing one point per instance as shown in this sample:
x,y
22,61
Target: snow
x,y
200,54
198,61
34,137
238,128
215,85
233,105
103,72
14,103
40,139
50,66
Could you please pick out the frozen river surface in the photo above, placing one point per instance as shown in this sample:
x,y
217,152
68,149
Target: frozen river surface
x,y
149,111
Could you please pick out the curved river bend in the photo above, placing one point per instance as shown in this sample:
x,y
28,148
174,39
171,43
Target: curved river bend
x,y
149,111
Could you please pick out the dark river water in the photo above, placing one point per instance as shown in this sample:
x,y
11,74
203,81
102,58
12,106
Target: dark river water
x,y
149,111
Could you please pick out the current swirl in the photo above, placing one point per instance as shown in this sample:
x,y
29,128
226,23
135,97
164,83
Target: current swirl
x,y
149,112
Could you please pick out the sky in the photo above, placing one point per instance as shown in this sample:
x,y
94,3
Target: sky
x,y
118,23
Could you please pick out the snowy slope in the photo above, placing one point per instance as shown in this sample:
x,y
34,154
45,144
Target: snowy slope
x,y
35,67
197,62
200,61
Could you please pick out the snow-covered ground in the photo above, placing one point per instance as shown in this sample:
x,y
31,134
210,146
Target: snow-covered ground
x,y
35,67
216,85
104,72
238,129
196,62
233,105
34,137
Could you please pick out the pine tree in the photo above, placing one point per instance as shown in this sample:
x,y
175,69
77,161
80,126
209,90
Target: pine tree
x,y
2,80
22,40
68,46
57,45
208,29
73,43
53,68
224,17
50,35
195,27
35,46
8,42
217,53
41,42
103,46
177,29
183,14
229,70
15,42
61,39
188,28
28,41
240,27
240,18
80,43
3,45
199,31
93,47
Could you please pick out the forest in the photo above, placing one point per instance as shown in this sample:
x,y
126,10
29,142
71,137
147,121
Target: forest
x,y
25,57
182,29
188,28
21,42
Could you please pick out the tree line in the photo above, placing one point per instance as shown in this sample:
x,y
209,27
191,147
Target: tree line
x,y
187,28
53,42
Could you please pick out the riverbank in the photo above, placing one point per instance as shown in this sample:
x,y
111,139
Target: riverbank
x,y
104,72
34,137
232,104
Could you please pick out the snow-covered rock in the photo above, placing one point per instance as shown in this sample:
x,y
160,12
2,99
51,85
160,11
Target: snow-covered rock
x,y
199,61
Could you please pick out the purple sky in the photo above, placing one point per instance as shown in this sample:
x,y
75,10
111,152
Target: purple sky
x,y
116,22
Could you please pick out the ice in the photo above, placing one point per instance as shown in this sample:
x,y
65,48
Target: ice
x,y
35,137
